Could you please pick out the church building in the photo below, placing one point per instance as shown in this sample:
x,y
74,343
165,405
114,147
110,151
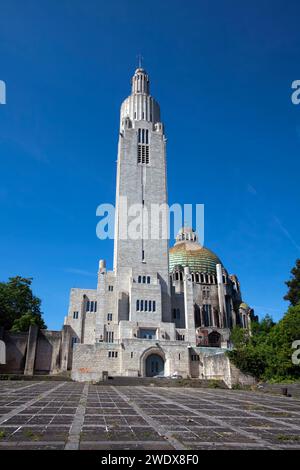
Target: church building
x,y
161,311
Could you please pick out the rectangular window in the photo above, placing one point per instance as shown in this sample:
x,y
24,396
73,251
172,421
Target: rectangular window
x,y
179,337
92,306
154,306
137,305
148,279
142,305
131,354
110,288
146,305
87,306
75,315
109,317
74,340
109,336
95,306
150,305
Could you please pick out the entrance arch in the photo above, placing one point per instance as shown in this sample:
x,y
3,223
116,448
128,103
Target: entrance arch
x,y
155,365
214,339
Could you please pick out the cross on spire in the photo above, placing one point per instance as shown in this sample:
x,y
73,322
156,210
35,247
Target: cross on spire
x,y
140,60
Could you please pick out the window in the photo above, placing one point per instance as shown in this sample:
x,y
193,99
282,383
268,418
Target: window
x,y
194,357
144,279
179,337
207,315
109,317
179,356
91,306
143,255
145,305
112,354
143,146
176,313
75,315
74,340
110,288
109,336
131,354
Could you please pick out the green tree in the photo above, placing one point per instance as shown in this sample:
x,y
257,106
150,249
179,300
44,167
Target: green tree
x,y
19,308
279,342
293,295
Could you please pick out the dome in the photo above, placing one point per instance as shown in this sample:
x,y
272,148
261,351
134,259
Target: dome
x,y
198,258
188,252
244,306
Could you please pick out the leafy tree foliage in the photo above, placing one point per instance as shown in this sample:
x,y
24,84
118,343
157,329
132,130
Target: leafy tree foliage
x,y
293,295
267,353
19,308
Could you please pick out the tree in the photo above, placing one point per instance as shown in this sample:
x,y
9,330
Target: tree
x,y
19,308
293,295
279,341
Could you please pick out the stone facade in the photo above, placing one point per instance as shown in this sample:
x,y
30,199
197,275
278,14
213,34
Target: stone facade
x,y
159,312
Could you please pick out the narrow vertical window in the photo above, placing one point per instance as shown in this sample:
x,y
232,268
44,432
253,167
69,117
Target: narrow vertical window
x,y
146,305
154,306
148,279
137,305
142,305
150,305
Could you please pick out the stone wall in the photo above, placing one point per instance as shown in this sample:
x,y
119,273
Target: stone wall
x,y
36,351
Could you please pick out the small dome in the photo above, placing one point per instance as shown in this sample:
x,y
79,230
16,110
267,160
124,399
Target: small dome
x,y
198,258
244,306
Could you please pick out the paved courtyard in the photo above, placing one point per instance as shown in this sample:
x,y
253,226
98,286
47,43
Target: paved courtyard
x,y
66,415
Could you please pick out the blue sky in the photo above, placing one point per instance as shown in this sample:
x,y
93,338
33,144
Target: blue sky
x,y
222,72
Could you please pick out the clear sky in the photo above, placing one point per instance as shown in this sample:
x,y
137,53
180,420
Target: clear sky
x,y
222,73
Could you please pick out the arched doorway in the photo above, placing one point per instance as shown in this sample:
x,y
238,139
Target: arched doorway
x,y
214,339
154,365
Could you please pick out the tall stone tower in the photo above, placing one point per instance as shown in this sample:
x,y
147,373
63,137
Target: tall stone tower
x,y
141,244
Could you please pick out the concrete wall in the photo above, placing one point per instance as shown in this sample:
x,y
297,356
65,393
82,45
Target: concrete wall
x,y
16,348
37,351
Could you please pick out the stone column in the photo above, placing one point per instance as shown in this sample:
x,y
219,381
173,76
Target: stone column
x,y
189,307
221,295
31,349
65,347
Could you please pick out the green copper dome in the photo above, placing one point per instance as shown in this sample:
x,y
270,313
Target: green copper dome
x,y
198,259
188,252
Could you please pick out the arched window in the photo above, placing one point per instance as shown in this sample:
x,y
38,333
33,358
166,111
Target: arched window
x,y
144,279
139,279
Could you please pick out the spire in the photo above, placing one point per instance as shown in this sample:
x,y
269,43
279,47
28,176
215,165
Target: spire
x,y
140,80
